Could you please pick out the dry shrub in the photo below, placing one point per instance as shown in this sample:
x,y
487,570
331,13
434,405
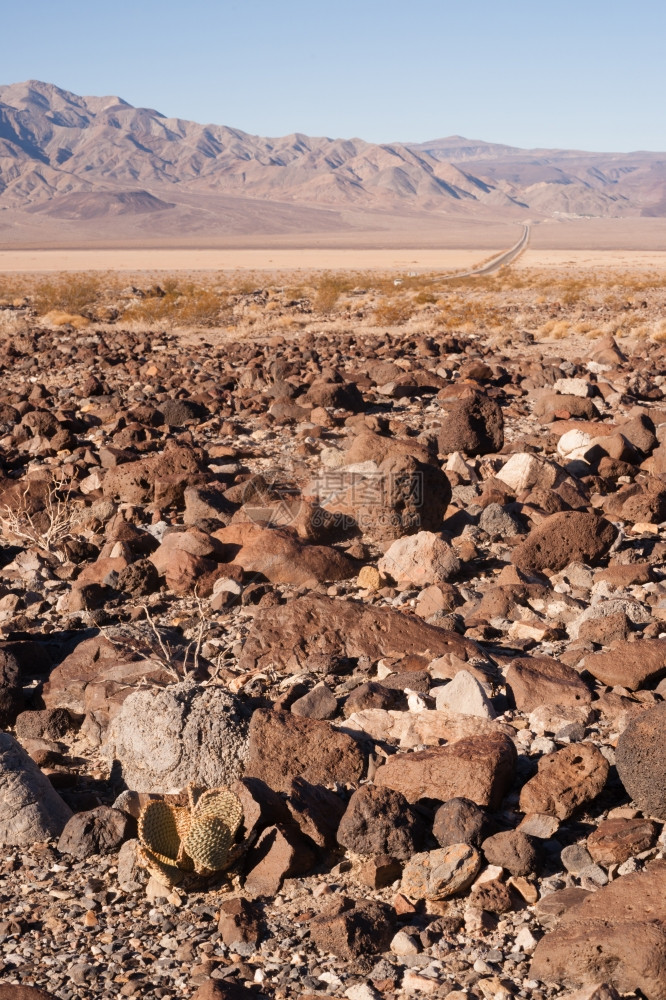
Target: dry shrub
x,y
76,294
393,313
328,290
56,317
186,304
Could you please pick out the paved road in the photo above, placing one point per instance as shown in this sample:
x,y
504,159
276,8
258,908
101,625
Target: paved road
x,y
497,262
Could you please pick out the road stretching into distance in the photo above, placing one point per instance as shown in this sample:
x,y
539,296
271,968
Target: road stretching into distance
x,y
496,263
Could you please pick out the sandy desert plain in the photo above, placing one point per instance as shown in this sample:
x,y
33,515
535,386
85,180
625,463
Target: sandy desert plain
x,y
381,551
400,244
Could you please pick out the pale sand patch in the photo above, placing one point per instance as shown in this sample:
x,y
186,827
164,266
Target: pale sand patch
x,y
629,260
41,261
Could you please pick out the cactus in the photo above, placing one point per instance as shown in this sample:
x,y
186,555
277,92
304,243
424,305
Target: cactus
x,y
178,839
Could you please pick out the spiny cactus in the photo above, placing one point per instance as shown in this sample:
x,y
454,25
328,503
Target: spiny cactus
x,y
178,839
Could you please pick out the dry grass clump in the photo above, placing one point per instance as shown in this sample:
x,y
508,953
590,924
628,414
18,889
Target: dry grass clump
x,y
328,290
74,294
395,313
177,304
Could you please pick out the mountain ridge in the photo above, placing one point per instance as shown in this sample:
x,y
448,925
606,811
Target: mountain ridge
x,y
84,159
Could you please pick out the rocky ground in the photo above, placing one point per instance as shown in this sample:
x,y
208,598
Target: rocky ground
x,y
403,593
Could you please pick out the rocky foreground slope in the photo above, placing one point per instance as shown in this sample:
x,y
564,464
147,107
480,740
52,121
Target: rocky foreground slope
x,y
404,595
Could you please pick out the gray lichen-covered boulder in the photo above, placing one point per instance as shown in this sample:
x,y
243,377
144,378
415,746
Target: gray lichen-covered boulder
x,y
30,808
165,739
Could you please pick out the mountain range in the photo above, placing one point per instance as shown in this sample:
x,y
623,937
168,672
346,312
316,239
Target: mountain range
x,y
71,164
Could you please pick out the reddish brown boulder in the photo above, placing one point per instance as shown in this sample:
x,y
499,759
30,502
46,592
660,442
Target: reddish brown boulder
x,y
513,850
401,497
355,930
97,677
627,664
284,747
135,482
565,780
479,768
369,447
554,405
552,907
616,840
8,991
541,680
288,636
262,806
616,935
279,853
66,686
472,424
316,811
278,556
193,541
570,536
240,925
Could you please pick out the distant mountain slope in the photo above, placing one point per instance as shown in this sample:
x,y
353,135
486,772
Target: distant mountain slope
x,y
75,158
563,180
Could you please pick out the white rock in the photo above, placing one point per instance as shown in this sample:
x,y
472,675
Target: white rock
x,y
411,729
415,701
525,941
465,695
332,458
520,472
227,585
489,874
362,991
404,944
574,444
30,808
572,387
456,463
164,739
420,559
552,718
92,482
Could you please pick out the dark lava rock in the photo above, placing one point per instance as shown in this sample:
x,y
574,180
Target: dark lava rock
x,y
381,821
570,536
641,761
372,695
512,850
459,821
472,424
98,831
354,929
11,689
48,724
139,579
283,747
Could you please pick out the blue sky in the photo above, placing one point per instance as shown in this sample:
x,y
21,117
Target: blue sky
x,y
584,74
